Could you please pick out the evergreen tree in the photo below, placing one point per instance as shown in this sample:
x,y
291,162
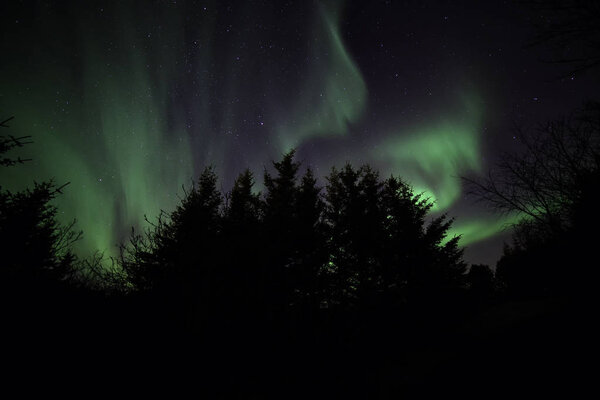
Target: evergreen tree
x,y
353,229
481,282
281,221
404,218
243,272
243,208
310,250
35,247
280,198
381,249
179,247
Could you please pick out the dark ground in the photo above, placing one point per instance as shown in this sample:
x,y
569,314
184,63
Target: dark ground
x,y
105,342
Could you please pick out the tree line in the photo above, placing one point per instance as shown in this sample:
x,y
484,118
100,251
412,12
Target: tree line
x,y
360,242
358,267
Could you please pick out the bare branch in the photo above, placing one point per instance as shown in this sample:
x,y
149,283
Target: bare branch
x,y
544,182
3,123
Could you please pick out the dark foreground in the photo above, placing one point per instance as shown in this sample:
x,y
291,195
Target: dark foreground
x,y
101,341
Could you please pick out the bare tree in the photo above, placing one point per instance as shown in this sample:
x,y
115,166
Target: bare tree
x,y
571,28
8,143
550,178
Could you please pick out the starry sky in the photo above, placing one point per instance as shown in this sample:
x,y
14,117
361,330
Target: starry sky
x,y
129,100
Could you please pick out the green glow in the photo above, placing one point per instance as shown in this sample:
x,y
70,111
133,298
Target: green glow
x,y
103,128
101,113
432,158
335,94
147,166
477,229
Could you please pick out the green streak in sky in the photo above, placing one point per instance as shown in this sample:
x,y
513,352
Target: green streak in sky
x,y
104,127
99,101
433,157
478,229
335,94
143,166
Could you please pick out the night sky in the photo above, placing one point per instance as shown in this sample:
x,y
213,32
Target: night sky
x,y
129,100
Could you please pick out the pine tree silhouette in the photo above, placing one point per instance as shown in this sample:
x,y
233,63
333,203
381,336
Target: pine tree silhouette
x,y
281,228
37,265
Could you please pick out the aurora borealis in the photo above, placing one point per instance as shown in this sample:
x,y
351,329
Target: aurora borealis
x,y
128,101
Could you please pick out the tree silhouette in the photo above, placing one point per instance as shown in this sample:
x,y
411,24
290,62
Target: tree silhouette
x,y
419,257
8,143
175,260
310,254
379,244
352,233
35,247
292,260
244,273
551,177
242,210
481,281
552,185
281,227
176,245
570,29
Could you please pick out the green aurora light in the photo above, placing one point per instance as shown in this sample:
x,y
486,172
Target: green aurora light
x,y
432,158
335,94
104,131
474,230
109,125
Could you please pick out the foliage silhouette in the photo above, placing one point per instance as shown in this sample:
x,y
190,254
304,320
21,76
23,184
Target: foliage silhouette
x,y
481,281
305,279
8,143
294,253
35,247
173,260
281,220
570,29
552,185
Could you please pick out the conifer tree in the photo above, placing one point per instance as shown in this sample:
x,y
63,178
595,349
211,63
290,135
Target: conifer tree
x,y
180,246
35,247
